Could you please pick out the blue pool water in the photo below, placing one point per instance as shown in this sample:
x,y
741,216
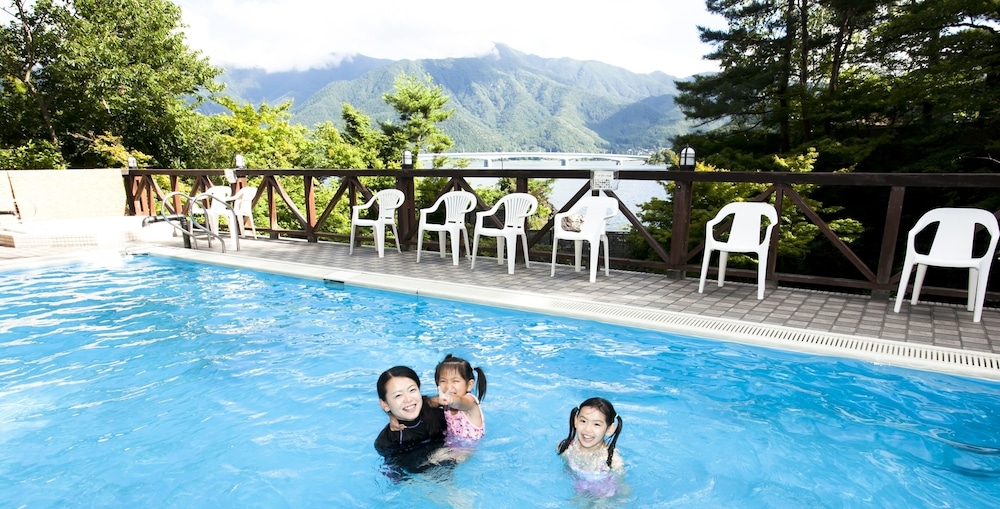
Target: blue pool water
x,y
148,382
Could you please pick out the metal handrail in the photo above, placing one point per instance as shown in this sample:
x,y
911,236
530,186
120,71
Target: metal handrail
x,y
192,224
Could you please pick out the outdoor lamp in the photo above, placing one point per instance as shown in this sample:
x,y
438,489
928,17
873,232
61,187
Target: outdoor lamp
x,y
407,159
687,158
132,164
240,162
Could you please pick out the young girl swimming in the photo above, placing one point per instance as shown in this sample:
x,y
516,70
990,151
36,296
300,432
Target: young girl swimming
x,y
455,379
417,427
596,468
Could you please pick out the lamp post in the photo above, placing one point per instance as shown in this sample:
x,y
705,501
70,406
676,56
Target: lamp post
x,y
687,159
406,215
407,160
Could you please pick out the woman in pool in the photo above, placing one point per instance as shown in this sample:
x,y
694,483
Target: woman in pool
x,y
419,427
455,380
591,458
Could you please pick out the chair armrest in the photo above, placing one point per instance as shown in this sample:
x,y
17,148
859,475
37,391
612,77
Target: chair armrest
x,y
431,209
364,205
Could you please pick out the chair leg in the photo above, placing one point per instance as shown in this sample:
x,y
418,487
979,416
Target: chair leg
x,y
465,232
578,254
607,256
761,269
420,242
970,299
511,254
704,270
455,235
500,248
234,229
353,229
595,252
918,283
904,279
723,261
984,276
475,249
555,247
395,237
379,231
442,246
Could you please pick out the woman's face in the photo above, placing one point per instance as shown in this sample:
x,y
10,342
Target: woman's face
x,y
402,398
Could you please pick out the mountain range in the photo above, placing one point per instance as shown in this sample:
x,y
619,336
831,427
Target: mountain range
x,y
504,101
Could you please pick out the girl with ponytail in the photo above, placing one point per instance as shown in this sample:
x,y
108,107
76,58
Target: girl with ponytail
x,y
589,448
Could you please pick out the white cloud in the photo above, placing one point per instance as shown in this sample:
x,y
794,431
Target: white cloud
x,y
639,35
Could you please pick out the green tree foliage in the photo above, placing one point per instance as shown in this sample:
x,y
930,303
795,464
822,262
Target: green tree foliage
x,y
75,70
264,135
421,107
880,85
31,155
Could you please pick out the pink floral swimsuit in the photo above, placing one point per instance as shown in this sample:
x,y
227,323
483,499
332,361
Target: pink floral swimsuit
x,y
461,431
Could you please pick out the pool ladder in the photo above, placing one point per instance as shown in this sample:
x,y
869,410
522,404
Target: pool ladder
x,y
186,225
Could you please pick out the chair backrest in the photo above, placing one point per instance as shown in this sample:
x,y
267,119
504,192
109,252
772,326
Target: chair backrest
x,y
243,201
456,205
219,194
956,232
746,226
598,210
516,208
388,201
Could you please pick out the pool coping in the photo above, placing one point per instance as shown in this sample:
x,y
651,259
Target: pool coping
x,y
954,361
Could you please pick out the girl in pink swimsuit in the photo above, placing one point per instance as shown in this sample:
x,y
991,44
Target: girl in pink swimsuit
x,y
590,455
455,380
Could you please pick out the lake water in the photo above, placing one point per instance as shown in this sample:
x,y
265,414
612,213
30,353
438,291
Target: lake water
x,y
631,193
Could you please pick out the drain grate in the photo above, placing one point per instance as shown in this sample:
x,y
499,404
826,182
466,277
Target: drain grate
x,y
927,357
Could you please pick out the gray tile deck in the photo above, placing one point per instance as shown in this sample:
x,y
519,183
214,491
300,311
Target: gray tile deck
x,y
941,325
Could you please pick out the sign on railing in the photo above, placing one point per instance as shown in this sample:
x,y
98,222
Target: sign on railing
x,y
602,180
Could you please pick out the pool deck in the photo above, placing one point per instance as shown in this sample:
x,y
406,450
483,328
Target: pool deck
x,y
936,336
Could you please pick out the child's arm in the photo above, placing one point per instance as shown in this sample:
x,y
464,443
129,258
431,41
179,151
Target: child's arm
x,y
394,424
465,403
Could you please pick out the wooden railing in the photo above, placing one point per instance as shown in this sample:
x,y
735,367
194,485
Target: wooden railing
x,y
876,275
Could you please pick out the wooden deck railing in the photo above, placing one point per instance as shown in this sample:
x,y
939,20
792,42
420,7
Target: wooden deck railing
x,y
872,274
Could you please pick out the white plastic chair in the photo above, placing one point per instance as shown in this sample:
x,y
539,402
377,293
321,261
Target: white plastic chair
x,y
243,208
516,209
217,208
952,247
456,205
388,201
593,229
744,237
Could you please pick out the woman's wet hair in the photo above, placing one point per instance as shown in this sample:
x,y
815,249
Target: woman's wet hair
x,y
601,405
394,372
464,370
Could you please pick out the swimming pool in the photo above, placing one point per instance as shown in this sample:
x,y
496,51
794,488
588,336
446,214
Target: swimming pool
x,y
206,386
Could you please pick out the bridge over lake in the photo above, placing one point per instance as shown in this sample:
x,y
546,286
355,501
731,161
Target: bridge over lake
x,y
488,158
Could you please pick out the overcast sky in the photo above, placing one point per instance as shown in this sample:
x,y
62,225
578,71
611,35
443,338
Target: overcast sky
x,y
640,35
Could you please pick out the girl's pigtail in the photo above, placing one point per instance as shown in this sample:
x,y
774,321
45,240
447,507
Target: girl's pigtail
x,y
614,439
480,383
572,432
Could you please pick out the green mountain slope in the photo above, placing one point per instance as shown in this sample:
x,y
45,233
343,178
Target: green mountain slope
x,y
504,101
